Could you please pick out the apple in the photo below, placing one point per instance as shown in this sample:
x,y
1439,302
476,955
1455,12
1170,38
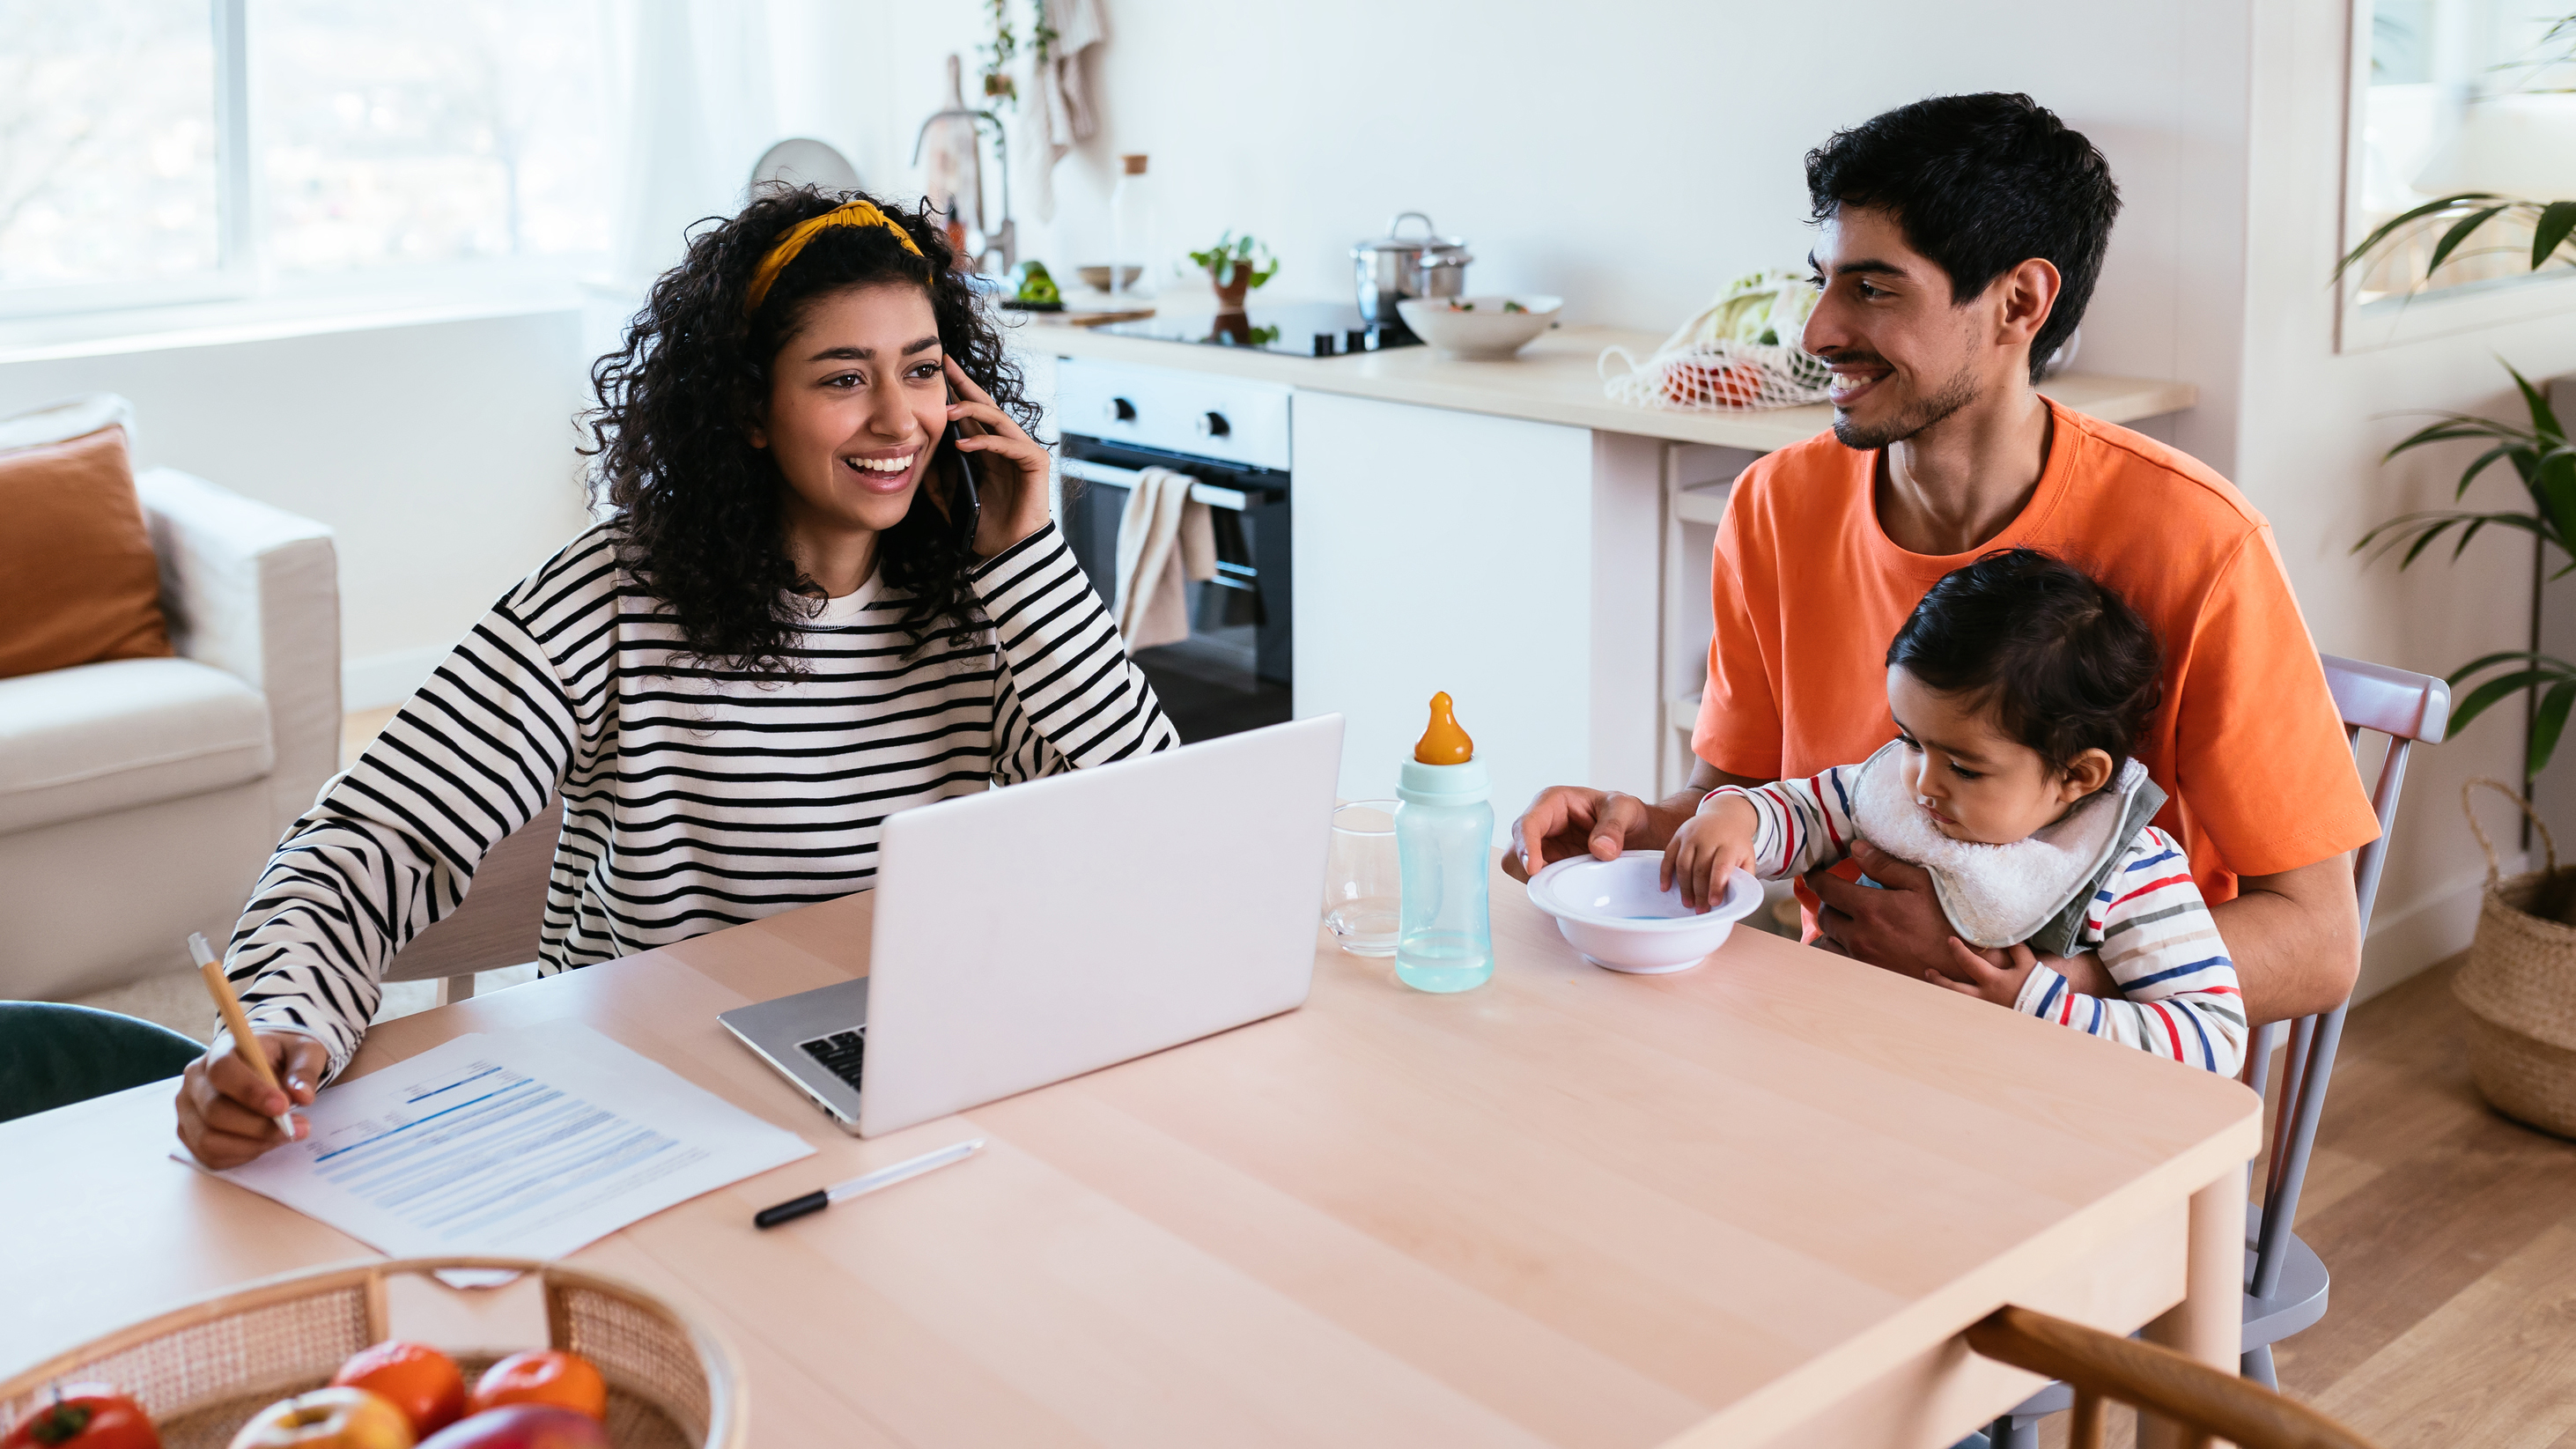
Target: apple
x,y
522,1426
327,1419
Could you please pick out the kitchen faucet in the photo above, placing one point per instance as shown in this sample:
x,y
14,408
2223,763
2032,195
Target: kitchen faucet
x,y
1004,239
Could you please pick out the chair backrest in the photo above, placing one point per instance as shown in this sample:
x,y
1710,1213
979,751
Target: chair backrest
x,y
2104,1366
53,1054
2410,709
502,918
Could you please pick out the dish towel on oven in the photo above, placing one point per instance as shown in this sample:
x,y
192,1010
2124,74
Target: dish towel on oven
x,y
1164,542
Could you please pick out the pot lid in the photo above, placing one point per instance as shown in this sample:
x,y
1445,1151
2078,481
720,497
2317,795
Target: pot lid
x,y
1448,254
1408,245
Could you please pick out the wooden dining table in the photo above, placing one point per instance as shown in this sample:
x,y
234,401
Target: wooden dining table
x,y
1752,1203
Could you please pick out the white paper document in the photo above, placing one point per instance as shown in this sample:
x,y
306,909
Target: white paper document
x,y
528,1143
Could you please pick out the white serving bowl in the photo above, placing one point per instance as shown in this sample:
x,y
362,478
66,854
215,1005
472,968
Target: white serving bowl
x,y
1613,913
1483,331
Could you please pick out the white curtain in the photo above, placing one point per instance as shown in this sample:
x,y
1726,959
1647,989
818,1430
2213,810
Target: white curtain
x,y
692,93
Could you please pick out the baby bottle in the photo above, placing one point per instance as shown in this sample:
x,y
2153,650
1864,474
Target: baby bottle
x,y
1444,834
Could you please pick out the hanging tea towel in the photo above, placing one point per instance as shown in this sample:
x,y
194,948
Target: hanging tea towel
x,y
1061,113
1165,542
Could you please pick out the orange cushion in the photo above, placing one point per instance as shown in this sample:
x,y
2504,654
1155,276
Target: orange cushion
x,y
78,580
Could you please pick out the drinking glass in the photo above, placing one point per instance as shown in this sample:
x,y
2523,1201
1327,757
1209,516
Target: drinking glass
x,y
1362,889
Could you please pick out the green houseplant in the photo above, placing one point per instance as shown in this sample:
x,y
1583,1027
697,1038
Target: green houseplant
x,y
2543,459
1235,265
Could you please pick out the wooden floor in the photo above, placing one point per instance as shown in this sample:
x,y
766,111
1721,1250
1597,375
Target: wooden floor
x,y
2451,1235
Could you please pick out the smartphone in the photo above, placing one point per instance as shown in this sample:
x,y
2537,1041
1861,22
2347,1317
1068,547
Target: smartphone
x,y
965,505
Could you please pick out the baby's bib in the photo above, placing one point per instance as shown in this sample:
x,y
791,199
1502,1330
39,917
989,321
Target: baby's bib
x,y
2032,890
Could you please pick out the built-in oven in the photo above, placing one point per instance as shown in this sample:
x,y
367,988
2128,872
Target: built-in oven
x,y
1231,437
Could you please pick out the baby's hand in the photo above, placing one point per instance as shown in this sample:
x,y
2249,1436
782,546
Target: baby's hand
x,y
1995,976
1708,849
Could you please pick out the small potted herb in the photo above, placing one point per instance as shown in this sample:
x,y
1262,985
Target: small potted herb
x,y
1236,265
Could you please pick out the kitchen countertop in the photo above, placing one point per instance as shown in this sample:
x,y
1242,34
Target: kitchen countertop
x,y
1554,380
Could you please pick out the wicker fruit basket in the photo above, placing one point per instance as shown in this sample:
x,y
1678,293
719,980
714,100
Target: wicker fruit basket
x,y
2520,985
202,1370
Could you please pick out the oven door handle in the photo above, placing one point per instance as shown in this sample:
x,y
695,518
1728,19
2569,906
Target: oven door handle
x,y
1112,476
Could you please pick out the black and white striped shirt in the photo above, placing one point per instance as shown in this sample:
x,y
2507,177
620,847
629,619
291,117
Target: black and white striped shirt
x,y
694,798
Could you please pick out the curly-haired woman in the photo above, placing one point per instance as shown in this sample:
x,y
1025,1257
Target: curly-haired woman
x,y
783,634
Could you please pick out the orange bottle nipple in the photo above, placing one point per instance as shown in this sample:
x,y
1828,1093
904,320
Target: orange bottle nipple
x,y
1444,743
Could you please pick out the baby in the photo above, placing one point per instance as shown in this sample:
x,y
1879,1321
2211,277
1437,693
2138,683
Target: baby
x,y
2019,686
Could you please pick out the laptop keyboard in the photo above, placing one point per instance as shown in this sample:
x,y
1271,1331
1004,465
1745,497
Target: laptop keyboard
x,y
839,1053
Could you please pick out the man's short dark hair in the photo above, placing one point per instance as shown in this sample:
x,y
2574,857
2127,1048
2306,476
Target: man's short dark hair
x,y
1980,185
2067,665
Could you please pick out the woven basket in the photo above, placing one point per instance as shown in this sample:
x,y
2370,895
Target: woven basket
x,y
202,1370
2520,985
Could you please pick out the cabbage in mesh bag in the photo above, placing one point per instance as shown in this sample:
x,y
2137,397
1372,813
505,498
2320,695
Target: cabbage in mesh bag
x,y
1741,352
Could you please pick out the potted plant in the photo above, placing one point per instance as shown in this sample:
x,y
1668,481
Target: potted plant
x,y
1235,265
2543,456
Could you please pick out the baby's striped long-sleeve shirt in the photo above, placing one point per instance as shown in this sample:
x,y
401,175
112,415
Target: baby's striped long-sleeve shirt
x,y
2148,922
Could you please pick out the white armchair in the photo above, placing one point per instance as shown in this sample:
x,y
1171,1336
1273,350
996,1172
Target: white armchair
x,y
139,798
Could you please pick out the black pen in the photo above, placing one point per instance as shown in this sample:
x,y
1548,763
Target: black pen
x,y
814,1202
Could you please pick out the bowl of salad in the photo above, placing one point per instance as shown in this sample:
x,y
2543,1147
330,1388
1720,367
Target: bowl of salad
x,y
1479,329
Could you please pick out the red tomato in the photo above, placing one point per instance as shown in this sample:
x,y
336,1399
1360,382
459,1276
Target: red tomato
x,y
543,1376
85,1416
415,1378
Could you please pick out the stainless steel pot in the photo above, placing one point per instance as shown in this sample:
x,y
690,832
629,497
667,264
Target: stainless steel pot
x,y
1393,267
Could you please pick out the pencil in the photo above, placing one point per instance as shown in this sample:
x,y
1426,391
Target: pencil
x,y
230,1005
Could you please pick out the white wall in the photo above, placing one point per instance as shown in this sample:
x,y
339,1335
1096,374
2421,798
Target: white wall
x,y
2313,426
1631,156
439,454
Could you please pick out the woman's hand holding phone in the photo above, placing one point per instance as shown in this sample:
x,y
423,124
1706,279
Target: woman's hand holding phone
x,y
1015,486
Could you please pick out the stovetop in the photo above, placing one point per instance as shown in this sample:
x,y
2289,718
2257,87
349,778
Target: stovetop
x,y
1294,329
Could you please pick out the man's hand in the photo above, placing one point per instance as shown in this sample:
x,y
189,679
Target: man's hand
x,y
1900,929
224,1108
1571,820
1709,849
1903,929
1995,976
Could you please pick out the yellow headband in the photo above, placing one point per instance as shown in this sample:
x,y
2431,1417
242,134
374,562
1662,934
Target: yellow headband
x,y
854,213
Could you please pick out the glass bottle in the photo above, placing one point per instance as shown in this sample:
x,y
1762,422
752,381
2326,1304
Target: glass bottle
x,y
1131,231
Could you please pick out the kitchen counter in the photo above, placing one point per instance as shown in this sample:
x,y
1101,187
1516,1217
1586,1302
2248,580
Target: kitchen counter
x,y
1554,380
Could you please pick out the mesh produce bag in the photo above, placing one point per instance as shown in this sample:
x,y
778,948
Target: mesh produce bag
x,y
1741,352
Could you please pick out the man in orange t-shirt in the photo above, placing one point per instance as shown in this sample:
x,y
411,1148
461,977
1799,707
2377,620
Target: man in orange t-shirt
x,y
1959,240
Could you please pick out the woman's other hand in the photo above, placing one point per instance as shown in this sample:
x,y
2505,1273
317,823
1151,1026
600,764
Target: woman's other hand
x,y
224,1108
1014,482
1708,849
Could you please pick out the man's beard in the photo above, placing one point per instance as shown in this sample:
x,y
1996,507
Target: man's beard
x,y
1960,391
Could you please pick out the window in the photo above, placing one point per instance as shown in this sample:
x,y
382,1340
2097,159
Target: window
x,y
2459,96
392,134
165,150
108,127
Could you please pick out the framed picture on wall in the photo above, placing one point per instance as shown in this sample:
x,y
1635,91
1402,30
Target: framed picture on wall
x,y
2448,97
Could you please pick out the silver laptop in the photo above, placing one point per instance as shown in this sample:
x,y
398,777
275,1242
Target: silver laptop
x,y
1035,933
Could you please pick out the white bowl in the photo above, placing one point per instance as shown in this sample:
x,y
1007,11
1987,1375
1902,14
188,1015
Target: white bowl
x,y
1613,913
1477,328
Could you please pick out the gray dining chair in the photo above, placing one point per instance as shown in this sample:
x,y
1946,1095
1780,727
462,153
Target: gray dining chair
x,y
501,921
2285,1282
